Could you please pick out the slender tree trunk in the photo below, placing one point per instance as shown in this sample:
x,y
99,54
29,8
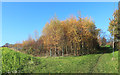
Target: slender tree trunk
x,y
75,50
71,50
55,51
50,52
82,45
63,51
66,49
58,52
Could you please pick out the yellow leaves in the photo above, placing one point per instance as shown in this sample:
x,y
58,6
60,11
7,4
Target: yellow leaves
x,y
116,23
113,23
70,30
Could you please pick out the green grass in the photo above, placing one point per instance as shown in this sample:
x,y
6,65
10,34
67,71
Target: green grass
x,y
93,63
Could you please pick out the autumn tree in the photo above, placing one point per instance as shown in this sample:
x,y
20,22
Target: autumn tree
x,y
114,26
36,33
28,45
103,41
53,33
74,36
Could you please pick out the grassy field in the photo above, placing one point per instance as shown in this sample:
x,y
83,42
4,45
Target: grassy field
x,y
13,61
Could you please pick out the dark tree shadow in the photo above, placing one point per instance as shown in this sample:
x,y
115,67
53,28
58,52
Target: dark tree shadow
x,y
105,49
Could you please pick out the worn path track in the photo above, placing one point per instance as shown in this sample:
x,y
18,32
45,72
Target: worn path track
x,y
92,69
